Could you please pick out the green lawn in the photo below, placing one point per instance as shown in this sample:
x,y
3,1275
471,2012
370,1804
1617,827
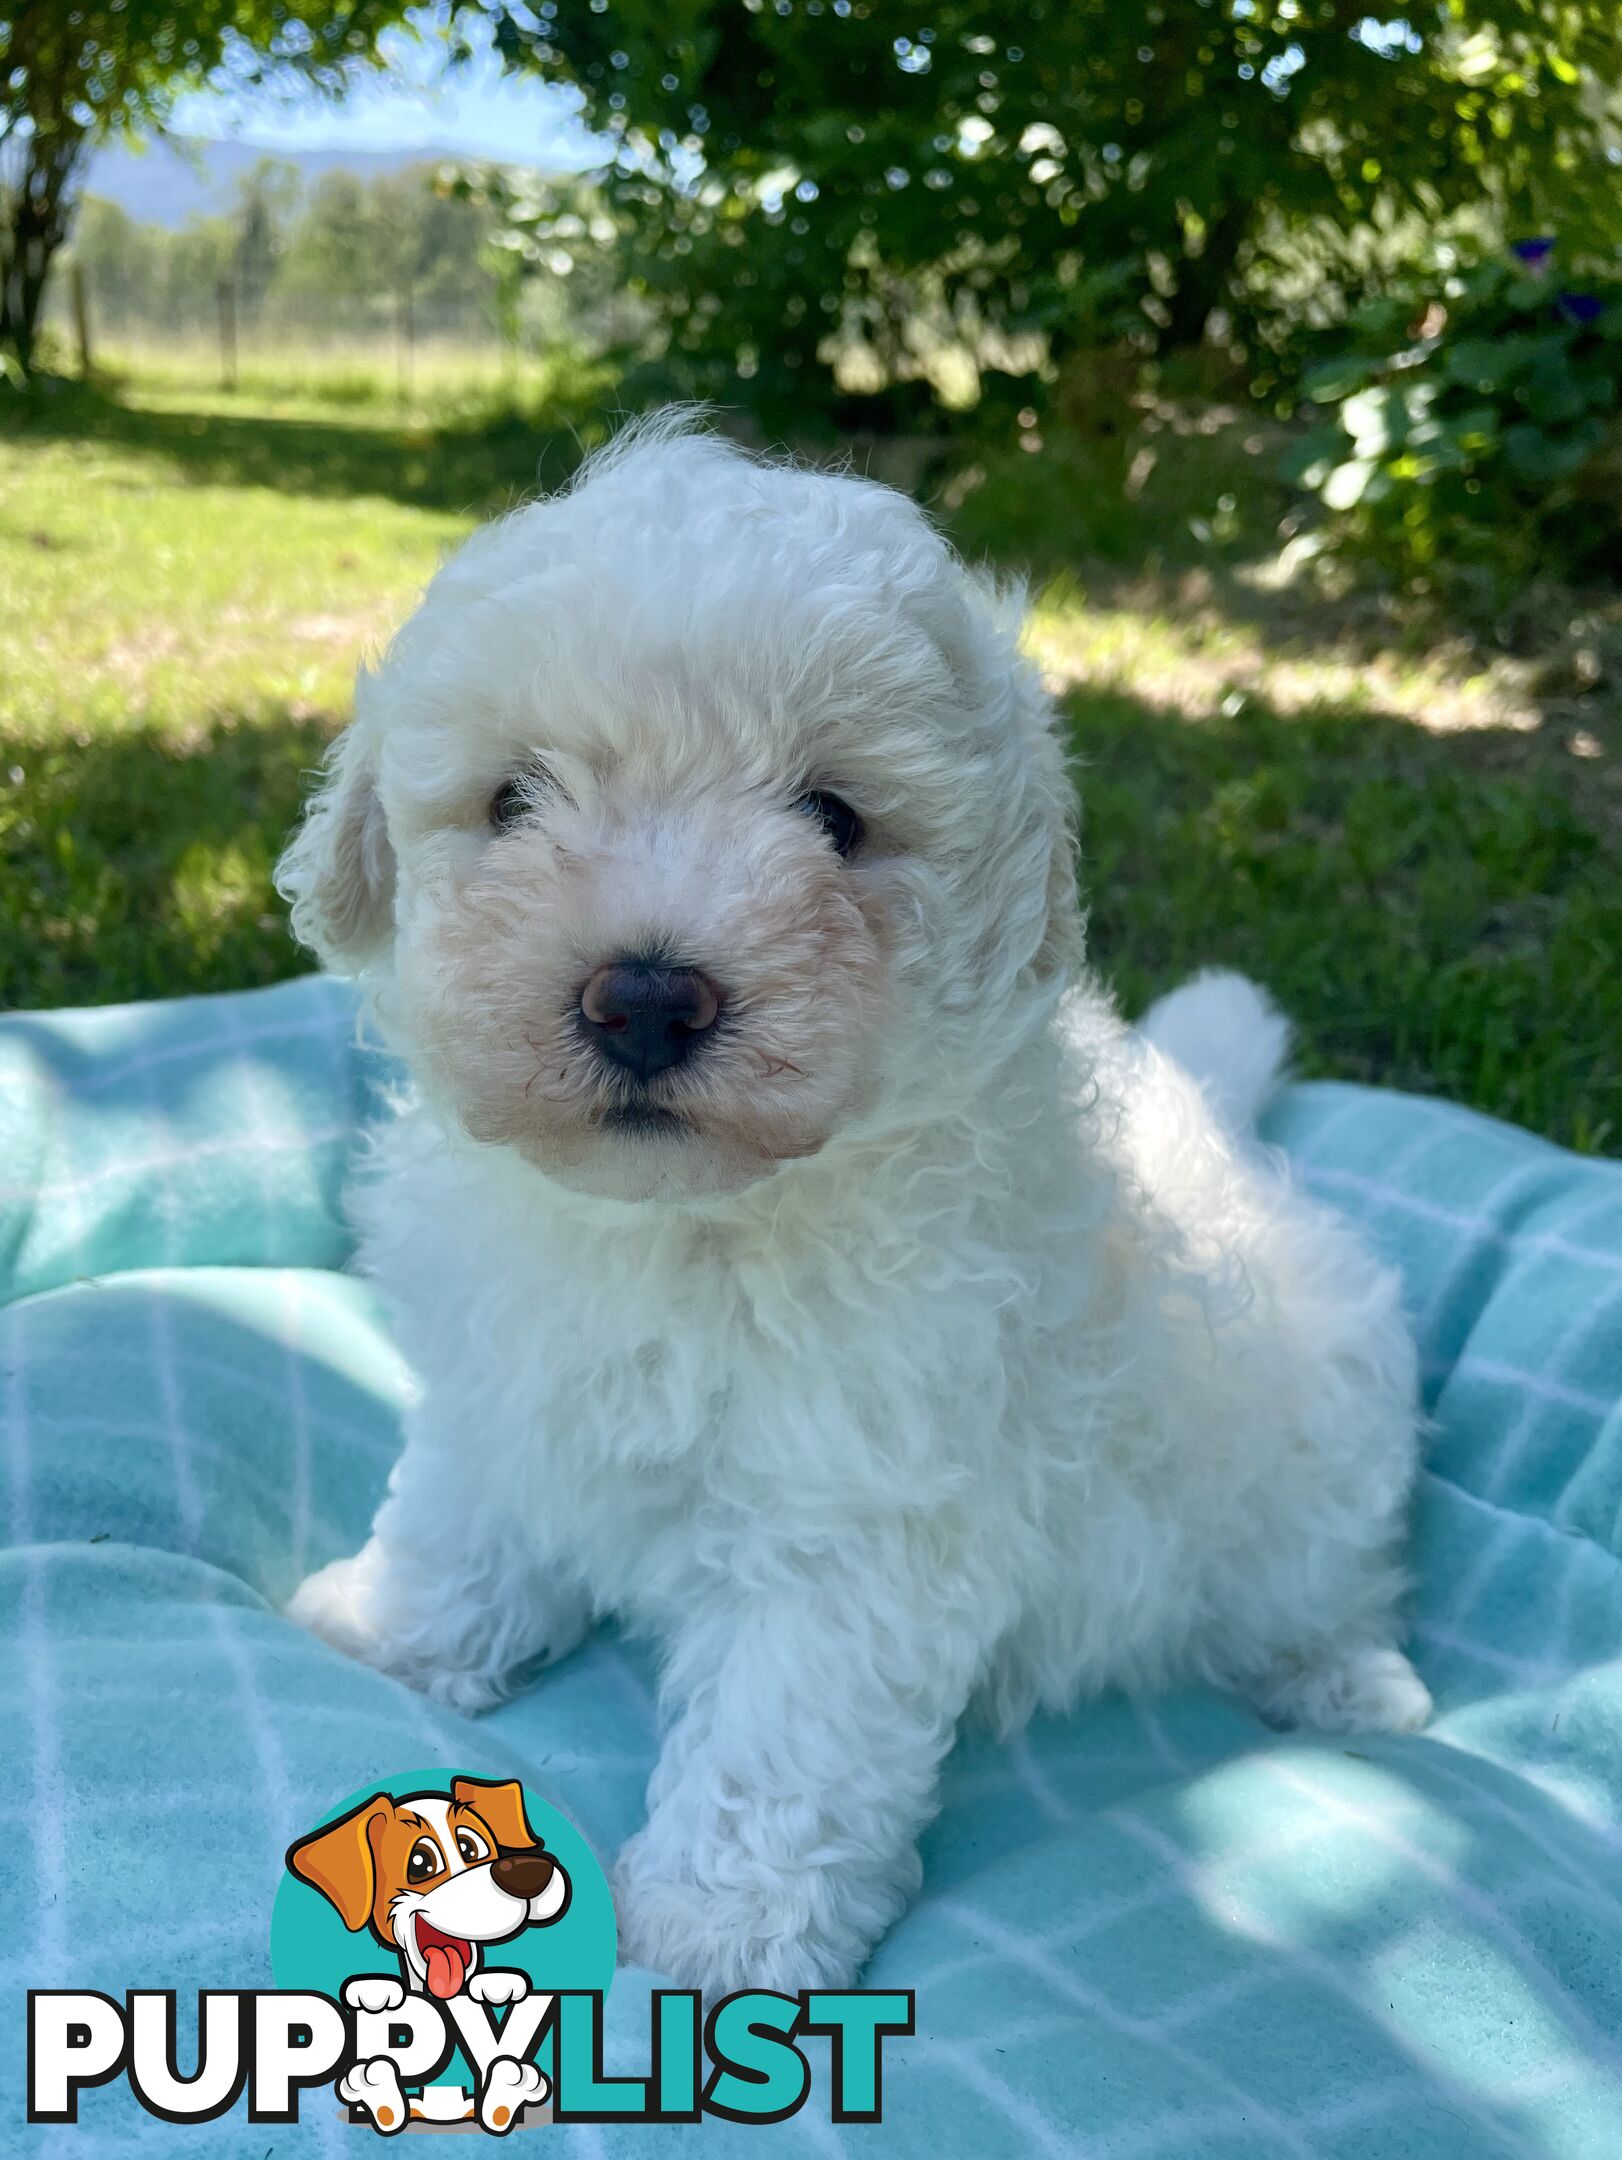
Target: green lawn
x,y
1419,851
186,584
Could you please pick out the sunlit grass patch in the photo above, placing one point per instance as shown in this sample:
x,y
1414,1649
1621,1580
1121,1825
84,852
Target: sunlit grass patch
x,y
433,379
1180,647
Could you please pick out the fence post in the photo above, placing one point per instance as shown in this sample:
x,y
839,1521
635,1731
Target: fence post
x,y
228,334
81,316
405,342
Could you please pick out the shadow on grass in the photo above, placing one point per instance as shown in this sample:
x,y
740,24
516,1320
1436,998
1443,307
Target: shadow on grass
x,y
481,463
1436,913
138,867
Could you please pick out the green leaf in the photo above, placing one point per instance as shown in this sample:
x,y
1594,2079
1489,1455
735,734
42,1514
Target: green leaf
x,y
1345,487
1334,380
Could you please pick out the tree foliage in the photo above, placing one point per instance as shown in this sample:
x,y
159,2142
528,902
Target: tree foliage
x,y
72,75
344,250
812,182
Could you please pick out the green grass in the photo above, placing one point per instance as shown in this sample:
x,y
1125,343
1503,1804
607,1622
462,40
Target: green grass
x,y
1438,915
1416,844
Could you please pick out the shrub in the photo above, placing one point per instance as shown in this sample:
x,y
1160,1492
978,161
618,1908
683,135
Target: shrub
x,y
1475,427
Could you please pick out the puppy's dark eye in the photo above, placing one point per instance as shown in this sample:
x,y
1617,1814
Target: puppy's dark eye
x,y
836,817
424,1861
511,802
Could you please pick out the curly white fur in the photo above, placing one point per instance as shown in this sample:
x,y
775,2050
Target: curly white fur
x,y
949,1352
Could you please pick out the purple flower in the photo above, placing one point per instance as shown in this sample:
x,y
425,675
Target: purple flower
x,y
1533,255
1581,307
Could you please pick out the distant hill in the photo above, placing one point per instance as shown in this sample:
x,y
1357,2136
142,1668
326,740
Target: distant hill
x,y
169,182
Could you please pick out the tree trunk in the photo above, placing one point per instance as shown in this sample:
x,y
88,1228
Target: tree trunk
x,y
1204,280
35,223
81,321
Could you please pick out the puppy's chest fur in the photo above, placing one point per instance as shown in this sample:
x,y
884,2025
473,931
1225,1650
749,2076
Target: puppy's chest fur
x,y
671,1399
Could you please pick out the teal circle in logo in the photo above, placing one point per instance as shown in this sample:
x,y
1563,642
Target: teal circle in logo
x,y
320,1928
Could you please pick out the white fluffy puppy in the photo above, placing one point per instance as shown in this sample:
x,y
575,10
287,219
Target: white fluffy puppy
x,y
800,1258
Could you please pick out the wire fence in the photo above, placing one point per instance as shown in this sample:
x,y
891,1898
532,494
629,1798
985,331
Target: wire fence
x,y
412,343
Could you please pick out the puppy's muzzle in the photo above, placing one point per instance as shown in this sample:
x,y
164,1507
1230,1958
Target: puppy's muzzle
x,y
522,1874
647,1018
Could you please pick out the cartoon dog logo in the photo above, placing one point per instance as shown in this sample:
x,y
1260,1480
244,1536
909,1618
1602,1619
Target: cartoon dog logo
x,y
437,1877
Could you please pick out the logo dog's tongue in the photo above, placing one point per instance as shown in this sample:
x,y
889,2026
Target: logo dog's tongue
x,y
446,1959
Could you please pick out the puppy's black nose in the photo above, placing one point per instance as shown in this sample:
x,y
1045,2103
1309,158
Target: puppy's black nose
x,y
646,1017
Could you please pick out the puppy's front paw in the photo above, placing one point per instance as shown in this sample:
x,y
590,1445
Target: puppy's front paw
x,y
498,1984
339,1603
723,1940
356,1607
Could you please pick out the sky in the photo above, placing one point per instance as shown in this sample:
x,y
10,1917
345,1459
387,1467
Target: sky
x,y
416,104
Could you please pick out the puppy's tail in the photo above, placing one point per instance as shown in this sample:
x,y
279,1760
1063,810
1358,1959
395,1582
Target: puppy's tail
x,y
1230,1035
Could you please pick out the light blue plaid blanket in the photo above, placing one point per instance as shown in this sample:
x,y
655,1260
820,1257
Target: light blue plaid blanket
x,y
1145,1930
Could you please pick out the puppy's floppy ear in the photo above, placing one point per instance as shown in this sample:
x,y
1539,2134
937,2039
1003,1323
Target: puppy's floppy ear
x,y
1064,940
337,873
976,620
502,1807
338,1860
